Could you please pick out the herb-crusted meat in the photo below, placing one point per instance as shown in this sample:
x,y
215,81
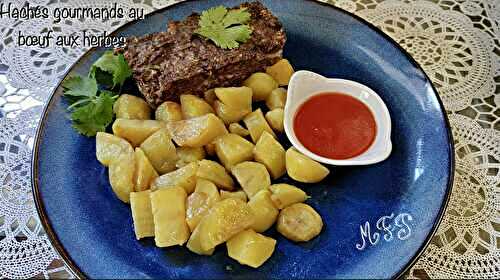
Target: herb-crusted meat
x,y
168,64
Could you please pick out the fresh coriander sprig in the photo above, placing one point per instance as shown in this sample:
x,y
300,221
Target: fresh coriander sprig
x,y
225,28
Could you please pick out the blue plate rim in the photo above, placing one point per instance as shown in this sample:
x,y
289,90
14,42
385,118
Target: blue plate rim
x,y
47,225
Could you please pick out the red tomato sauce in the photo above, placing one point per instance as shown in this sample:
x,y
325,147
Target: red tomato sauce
x,y
335,125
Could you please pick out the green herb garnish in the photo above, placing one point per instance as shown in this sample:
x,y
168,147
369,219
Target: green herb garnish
x,y
114,65
225,28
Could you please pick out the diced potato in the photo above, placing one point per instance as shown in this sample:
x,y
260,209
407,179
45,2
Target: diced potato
x,y
208,188
136,131
236,128
264,210
109,147
269,152
210,96
256,124
142,215
131,107
275,119
210,149
160,151
145,173
197,206
250,248
252,177
216,173
281,71
277,99
236,97
303,169
197,132
225,219
284,195
187,155
232,149
169,215
230,114
168,111
192,106
194,244
121,176
299,222
261,84
184,177
238,195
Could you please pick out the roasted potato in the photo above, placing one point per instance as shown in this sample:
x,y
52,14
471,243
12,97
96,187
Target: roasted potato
x,y
261,84
284,195
145,173
236,128
160,151
194,243
136,131
299,222
303,169
131,107
277,99
209,188
187,155
209,96
168,111
236,97
275,118
252,177
269,152
225,219
230,114
256,124
250,248
210,149
216,173
184,177
192,106
142,215
169,215
196,132
109,147
238,195
121,176
281,71
197,206
264,211
232,149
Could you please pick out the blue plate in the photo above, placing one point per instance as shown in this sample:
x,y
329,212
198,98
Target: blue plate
x,y
378,218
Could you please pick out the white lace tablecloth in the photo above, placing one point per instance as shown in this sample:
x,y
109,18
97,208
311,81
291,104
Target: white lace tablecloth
x,y
456,42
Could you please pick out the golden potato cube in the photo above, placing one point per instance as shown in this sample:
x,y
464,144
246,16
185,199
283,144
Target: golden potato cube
x,y
225,219
277,99
238,195
252,177
142,215
160,151
121,176
264,210
194,243
236,97
281,71
169,215
187,155
197,206
250,248
216,173
236,128
210,149
168,111
209,96
232,149
184,177
145,173
269,152
284,195
299,222
131,107
275,119
192,106
197,132
256,124
303,169
230,114
136,131
108,147
261,84
209,188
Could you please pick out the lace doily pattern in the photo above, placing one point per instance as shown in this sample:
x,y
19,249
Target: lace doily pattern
x,y
456,42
